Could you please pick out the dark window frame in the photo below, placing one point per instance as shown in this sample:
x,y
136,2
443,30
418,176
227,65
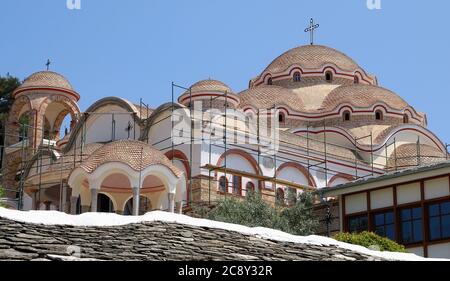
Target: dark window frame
x,y
346,116
385,224
440,217
329,76
220,184
297,77
379,115
411,221
359,217
237,185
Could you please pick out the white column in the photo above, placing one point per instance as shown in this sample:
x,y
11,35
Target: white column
x,y
94,198
172,202
73,205
179,207
136,195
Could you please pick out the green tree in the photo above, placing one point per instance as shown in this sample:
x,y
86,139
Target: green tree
x,y
253,211
2,195
370,240
300,216
8,84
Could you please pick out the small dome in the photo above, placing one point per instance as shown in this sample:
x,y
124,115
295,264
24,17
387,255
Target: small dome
x,y
411,155
267,96
47,79
207,89
129,153
210,86
312,57
362,96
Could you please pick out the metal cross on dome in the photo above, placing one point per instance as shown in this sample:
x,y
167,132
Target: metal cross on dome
x,y
129,128
48,64
311,29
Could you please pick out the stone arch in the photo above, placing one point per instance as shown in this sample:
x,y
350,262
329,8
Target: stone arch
x,y
300,168
21,104
178,154
243,154
144,199
248,158
69,106
340,177
112,208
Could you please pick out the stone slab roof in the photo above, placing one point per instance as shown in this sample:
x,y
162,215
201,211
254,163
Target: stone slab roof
x,y
153,241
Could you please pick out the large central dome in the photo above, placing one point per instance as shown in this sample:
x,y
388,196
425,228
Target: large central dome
x,y
312,57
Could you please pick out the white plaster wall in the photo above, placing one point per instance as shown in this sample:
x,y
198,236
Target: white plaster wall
x,y
338,181
437,188
381,198
356,203
160,133
237,162
439,251
179,165
99,126
408,193
293,175
417,250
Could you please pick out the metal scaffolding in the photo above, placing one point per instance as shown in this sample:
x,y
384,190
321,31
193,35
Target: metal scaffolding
x,y
314,153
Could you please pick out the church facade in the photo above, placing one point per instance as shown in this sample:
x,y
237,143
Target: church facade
x,y
334,124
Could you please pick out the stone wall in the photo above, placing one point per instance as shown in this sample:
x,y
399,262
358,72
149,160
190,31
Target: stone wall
x,y
153,241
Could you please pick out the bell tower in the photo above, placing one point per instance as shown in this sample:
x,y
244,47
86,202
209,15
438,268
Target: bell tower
x,y
41,104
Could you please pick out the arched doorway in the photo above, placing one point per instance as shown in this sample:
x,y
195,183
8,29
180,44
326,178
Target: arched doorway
x,y
104,204
145,206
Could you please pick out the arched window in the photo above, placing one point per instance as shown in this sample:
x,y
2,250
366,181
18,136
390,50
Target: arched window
x,y
405,118
270,81
292,196
297,76
280,196
281,118
346,115
378,115
356,79
249,188
223,184
329,76
237,185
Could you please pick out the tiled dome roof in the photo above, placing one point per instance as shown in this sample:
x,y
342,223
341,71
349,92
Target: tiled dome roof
x,y
210,85
362,96
311,56
407,155
266,96
320,98
47,79
129,153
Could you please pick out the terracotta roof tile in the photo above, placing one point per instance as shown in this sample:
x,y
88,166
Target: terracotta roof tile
x,y
128,152
313,57
47,79
209,85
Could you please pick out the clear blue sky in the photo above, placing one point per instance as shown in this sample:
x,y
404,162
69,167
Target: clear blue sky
x,y
135,48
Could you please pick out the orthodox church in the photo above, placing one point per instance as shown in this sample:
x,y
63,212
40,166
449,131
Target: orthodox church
x,y
335,124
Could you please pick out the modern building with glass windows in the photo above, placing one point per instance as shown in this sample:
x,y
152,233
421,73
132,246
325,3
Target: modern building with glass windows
x,y
411,207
